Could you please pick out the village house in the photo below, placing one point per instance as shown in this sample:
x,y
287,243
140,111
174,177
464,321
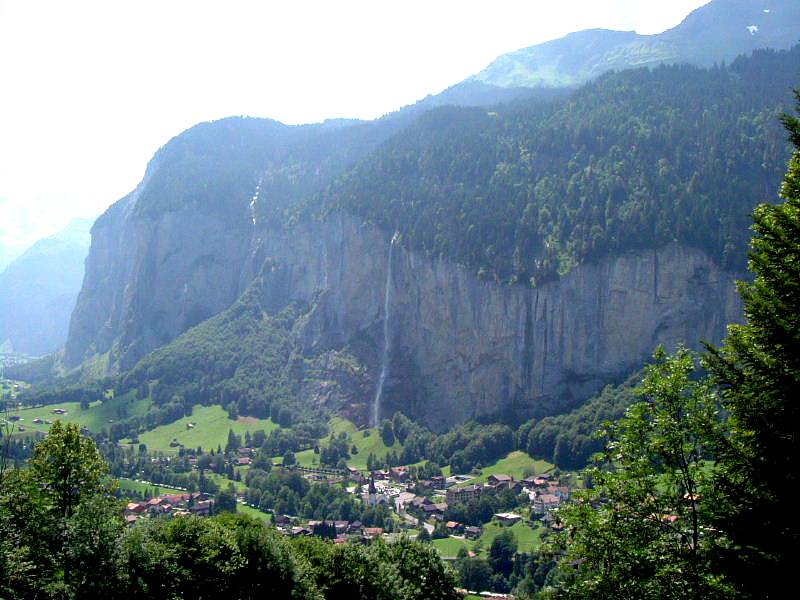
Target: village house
x,y
545,502
500,481
435,511
399,474
370,533
355,475
463,495
472,532
507,518
454,528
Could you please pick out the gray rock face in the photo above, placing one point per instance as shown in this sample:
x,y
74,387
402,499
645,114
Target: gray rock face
x,y
462,347
148,280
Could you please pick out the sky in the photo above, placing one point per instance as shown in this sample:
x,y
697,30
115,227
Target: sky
x,y
90,90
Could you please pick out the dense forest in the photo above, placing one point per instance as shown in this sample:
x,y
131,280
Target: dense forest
x,y
523,192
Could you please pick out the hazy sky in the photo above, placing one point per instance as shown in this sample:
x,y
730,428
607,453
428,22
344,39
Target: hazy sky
x,y
90,90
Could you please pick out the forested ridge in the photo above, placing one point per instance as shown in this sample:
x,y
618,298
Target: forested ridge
x,y
635,159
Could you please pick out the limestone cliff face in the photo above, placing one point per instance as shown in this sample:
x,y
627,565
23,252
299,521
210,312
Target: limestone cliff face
x,y
461,347
147,280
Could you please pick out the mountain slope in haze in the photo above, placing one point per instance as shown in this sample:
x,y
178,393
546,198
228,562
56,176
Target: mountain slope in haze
x,y
38,290
716,32
181,247
8,254
544,249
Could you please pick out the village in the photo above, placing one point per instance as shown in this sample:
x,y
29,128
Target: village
x,y
427,509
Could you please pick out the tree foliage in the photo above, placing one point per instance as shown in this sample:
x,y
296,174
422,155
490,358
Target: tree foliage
x,y
636,159
758,371
641,531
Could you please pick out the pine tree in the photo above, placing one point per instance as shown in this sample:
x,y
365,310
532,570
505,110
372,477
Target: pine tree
x,y
758,369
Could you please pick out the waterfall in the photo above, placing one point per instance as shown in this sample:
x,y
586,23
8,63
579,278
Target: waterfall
x,y
254,200
387,301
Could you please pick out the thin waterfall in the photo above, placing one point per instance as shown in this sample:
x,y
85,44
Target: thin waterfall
x,y
387,303
254,200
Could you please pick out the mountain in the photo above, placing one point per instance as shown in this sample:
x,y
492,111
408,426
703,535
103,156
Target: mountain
x,y
8,254
716,32
464,262
39,288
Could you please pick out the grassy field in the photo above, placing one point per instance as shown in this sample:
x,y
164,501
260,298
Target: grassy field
x,y
155,489
448,547
528,539
515,464
223,482
96,417
371,443
211,426
253,512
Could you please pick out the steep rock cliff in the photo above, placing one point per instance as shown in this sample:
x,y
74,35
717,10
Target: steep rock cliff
x,y
461,347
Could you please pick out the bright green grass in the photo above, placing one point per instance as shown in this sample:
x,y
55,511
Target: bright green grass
x,y
528,539
156,489
515,464
223,482
365,445
99,415
211,430
448,547
253,512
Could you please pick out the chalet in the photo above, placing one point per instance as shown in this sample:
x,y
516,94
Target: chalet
x,y
130,519
438,482
135,508
435,511
58,411
420,501
246,452
38,421
355,475
403,499
341,527
244,461
454,528
500,481
463,495
399,474
507,518
370,533
299,531
282,519
355,527
201,509
545,502
473,533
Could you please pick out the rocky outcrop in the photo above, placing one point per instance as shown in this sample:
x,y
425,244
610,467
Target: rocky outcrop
x,y
462,347
147,280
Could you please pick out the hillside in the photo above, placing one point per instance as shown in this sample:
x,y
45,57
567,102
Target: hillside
x,y
544,249
634,160
712,34
38,290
